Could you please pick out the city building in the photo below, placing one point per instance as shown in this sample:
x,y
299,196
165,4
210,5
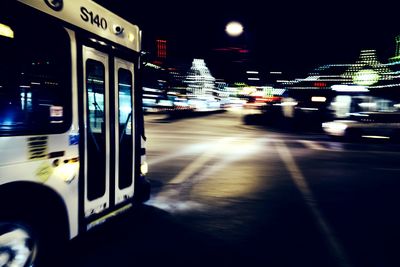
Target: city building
x,y
199,80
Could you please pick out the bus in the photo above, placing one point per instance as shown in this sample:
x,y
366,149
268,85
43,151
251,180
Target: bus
x,y
72,140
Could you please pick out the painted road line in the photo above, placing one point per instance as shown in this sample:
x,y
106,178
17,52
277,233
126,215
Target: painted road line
x,y
191,149
312,145
199,162
301,184
174,197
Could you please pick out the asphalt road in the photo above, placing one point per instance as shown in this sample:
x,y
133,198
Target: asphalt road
x,y
226,193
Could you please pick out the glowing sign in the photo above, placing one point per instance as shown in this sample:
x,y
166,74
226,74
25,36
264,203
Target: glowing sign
x,y
320,84
366,77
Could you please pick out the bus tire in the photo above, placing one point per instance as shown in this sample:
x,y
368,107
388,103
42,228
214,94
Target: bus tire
x,y
36,231
23,244
18,244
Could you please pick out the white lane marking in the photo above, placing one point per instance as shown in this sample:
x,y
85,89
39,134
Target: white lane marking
x,y
309,198
192,149
234,153
171,198
312,145
199,162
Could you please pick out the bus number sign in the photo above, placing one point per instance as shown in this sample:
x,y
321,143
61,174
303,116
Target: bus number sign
x,y
92,18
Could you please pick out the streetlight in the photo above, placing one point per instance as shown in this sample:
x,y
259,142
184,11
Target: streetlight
x,y
236,51
234,28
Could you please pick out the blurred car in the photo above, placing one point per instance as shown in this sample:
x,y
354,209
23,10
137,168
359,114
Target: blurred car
x,y
198,104
365,124
149,104
165,104
235,102
204,104
181,104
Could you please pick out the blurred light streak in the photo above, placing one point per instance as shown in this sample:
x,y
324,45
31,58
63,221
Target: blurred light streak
x,y
375,136
318,99
312,145
288,103
335,128
367,105
193,149
169,204
309,109
348,88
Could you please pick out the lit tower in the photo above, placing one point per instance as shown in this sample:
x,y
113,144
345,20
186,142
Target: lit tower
x,y
199,80
367,70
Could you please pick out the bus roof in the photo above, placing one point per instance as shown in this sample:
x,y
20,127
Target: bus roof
x,y
91,17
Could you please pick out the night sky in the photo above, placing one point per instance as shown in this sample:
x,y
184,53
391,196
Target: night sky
x,y
292,37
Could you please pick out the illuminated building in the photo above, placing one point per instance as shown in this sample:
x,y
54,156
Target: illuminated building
x,y
177,76
367,70
221,89
199,80
154,83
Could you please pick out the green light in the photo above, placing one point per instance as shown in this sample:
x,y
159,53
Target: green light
x,y
239,84
366,77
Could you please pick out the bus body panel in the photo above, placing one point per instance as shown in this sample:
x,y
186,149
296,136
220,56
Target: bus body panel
x,y
60,173
127,191
96,205
91,17
54,160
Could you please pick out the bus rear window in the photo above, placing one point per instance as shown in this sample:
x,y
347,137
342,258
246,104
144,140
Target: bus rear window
x,y
35,91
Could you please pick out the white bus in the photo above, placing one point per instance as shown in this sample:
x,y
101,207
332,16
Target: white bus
x,y
72,144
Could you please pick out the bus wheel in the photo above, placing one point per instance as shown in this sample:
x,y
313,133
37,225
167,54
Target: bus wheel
x,y
18,245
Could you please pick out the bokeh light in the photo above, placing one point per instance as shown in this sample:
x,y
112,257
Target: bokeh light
x,y
234,28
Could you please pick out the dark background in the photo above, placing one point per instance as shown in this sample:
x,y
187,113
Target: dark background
x,y
293,37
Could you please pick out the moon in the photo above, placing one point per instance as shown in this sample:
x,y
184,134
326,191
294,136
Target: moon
x,y
234,28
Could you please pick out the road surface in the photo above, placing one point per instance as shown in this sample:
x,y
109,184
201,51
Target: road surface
x,y
226,193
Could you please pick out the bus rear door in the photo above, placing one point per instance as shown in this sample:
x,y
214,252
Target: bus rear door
x,y
109,134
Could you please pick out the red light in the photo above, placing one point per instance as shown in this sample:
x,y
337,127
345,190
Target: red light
x,y
320,84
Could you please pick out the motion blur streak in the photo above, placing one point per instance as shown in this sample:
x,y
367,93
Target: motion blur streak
x,y
189,150
200,161
312,145
224,152
309,198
